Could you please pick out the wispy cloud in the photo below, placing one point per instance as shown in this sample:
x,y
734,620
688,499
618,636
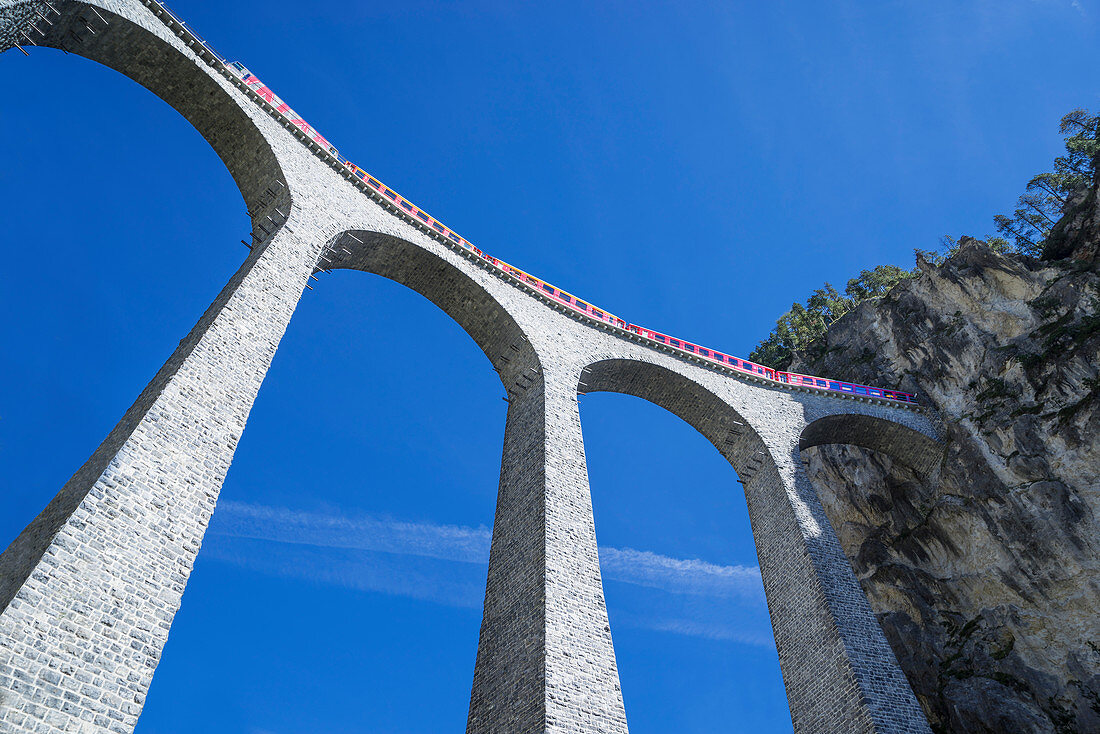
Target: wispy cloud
x,y
445,564
445,542
679,576
471,545
711,631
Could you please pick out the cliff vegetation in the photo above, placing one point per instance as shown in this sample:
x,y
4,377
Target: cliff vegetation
x,y
985,574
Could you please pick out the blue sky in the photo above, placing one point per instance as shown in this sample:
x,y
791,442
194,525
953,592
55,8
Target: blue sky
x,y
693,167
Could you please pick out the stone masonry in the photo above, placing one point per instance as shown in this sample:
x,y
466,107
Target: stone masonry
x,y
88,591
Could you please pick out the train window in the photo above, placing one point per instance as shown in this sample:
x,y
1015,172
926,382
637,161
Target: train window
x,y
454,237
390,194
548,288
689,347
597,312
822,383
581,305
406,205
422,215
438,227
704,352
674,342
375,184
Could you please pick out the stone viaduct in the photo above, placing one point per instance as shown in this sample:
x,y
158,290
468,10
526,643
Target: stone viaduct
x,y
89,589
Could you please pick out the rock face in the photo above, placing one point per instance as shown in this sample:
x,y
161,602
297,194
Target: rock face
x,y
1077,233
986,574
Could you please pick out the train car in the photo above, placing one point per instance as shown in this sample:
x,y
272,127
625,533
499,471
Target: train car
x,y
405,204
820,383
593,311
268,95
415,213
356,171
561,296
239,70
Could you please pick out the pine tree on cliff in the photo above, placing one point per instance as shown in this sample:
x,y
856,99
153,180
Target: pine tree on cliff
x,y
804,323
1051,195
1050,216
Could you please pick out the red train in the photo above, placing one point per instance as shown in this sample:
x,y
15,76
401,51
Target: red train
x,y
414,213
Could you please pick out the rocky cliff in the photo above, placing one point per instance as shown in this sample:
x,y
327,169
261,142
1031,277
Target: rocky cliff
x,y
986,574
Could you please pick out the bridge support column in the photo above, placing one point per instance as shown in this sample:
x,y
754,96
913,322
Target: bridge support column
x,y
839,671
545,662
89,589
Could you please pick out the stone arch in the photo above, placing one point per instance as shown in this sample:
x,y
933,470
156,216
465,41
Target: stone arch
x,y
685,398
139,52
907,445
727,430
191,88
447,285
838,670
473,307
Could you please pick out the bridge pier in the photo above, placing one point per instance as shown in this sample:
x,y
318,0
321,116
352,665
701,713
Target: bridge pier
x,y
839,671
545,662
89,589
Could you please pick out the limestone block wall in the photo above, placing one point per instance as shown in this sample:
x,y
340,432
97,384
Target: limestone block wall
x,y
545,659
89,590
92,585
